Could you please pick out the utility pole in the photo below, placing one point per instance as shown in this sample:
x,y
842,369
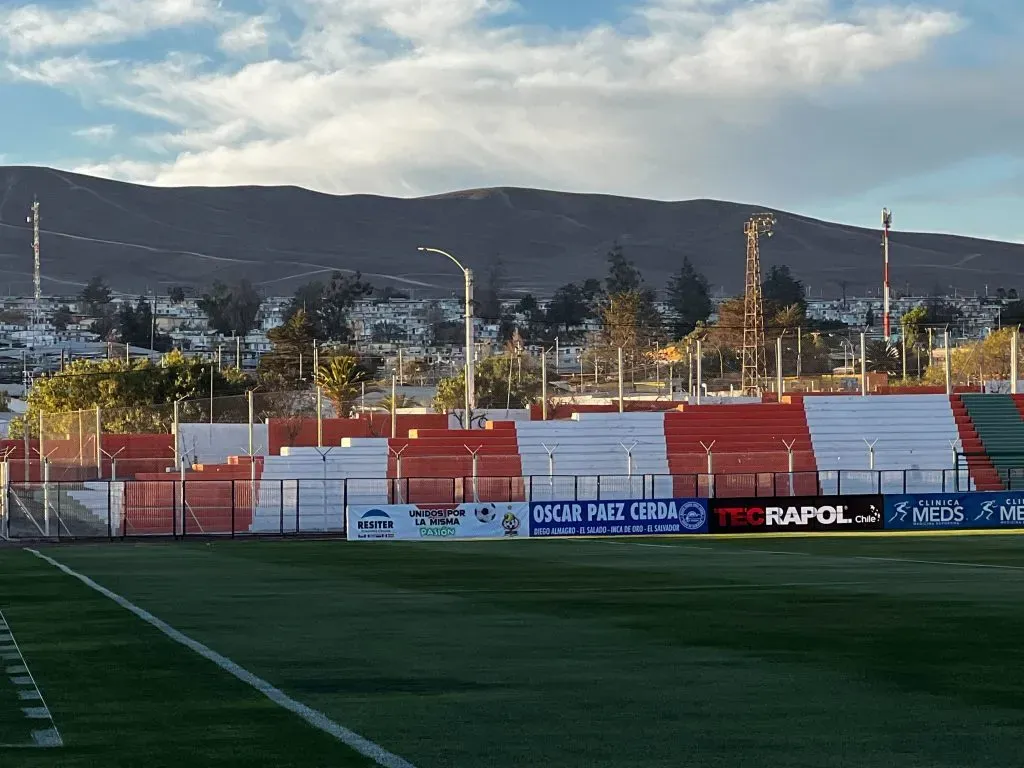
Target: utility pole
x,y
755,369
886,224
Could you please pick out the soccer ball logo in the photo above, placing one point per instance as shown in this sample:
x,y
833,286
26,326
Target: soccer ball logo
x,y
511,524
485,514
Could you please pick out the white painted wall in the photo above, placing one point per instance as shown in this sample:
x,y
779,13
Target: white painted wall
x,y
213,443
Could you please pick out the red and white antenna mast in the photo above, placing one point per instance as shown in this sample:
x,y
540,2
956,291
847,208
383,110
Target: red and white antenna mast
x,y
886,225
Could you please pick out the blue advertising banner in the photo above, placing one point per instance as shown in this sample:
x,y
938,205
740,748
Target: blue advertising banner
x,y
631,517
943,511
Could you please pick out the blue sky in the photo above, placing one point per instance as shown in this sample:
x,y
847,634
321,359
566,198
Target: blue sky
x,y
833,108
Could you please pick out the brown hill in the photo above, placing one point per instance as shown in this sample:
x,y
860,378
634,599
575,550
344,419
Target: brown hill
x,y
143,238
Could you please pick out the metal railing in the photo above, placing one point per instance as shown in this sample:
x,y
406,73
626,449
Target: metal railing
x,y
104,509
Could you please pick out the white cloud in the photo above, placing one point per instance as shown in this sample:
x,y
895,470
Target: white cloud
x,y
688,97
30,28
96,133
57,72
247,34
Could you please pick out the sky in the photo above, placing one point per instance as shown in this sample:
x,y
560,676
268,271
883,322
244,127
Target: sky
x,y
831,108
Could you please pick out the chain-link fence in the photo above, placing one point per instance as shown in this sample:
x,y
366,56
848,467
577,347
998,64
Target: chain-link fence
x,y
181,508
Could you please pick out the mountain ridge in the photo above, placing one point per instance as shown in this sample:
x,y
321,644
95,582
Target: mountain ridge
x,y
141,237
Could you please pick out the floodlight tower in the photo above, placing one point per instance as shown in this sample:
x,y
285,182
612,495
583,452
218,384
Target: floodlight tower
x,y
886,225
754,365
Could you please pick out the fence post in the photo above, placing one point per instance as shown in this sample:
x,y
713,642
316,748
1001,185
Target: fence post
x,y
871,452
46,495
5,480
183,503
622,397
948,365
544,384
42,448
99,443
779,381
323,458
629,465
711,467
176,428
1014,360
397,495
474,454
700,370
551,469
789,451
956,467
319,417
863,366
252,501
252,417
394,407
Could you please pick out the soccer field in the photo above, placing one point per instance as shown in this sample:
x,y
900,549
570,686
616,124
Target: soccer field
x,y
817,652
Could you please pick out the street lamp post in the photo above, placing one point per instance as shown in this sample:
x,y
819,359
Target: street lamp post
x,y
470,373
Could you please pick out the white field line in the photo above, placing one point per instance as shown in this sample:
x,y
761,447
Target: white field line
x,y
317,719
748,552
21,676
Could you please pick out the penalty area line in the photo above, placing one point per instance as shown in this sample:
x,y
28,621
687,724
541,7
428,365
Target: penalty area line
x,y
317,719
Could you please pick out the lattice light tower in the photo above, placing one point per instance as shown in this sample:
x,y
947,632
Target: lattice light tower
x,y
36,266
755,370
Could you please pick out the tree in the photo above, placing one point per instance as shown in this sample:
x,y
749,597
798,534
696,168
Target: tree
x,y
781,289
327,305
787,319
291,354
593,296
448,333
499,383
623,276
231,311
134,326
986,359
689,296
401,401
880,357
176,294
1013,313
941,313
134,396
62,318
727,331
488,298
342,381
567,309
388,333
913,323
95,297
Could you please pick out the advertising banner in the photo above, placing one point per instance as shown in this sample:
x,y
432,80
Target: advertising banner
x,y
631,517
796,514
430,522
944,511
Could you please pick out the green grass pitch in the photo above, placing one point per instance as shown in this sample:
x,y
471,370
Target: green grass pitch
x,y
857,652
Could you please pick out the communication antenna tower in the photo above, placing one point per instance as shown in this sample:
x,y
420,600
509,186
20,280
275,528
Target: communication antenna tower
x,y
36,268
886,225
754,366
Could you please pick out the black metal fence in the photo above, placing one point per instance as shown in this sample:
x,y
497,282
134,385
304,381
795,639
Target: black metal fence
x,y
176,508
